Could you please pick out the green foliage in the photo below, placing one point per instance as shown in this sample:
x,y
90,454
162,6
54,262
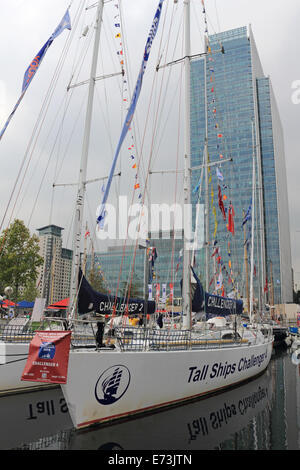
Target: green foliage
x,y
19,260
96,280
30,292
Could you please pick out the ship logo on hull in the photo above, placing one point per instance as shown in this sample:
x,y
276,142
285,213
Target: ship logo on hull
x,y
112,384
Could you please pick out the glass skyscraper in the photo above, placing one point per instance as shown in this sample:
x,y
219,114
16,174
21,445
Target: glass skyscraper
x,y
115,266
242,124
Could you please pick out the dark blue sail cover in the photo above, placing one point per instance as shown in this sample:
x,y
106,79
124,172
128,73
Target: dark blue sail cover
x,y
216,305
197,293
90,300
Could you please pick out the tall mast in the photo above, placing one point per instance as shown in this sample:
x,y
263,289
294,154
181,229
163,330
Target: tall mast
x,y
206,213
246,268
252,229
186,289
83,166
260,191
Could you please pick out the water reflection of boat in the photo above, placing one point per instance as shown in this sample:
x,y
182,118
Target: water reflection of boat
x,y
41,420
204,424
34,416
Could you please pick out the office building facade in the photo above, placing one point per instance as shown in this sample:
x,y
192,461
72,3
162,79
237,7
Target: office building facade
x,y
55,274
115,266
233,104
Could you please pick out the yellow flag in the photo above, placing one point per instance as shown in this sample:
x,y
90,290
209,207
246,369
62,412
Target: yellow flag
x,y
212,195
216,223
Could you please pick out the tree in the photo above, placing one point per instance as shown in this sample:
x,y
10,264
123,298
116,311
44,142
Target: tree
x,y
30,293
97,281
19,259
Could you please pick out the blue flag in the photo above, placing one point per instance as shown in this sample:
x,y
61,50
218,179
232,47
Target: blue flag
x,y
131,110
219,174
247,216
36,62
31,71
34,65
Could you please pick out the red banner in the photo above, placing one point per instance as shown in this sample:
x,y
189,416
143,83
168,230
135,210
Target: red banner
x,y
157,292
48,357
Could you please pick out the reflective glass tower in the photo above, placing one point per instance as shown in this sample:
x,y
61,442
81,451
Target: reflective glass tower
x,y
115,265
233,104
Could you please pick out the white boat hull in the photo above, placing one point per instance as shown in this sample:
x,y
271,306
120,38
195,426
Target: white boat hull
x,y
13,358
202,425
153,379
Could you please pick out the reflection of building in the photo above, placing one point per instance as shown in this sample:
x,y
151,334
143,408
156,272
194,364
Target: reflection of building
x,y
238,93
168,261
55,274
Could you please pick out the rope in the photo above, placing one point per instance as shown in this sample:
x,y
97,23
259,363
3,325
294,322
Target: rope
x,y
37,128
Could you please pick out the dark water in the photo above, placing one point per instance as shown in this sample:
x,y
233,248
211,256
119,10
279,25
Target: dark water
x,y
263,414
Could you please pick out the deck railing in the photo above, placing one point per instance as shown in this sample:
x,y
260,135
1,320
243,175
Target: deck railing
x,y
139,339
84,334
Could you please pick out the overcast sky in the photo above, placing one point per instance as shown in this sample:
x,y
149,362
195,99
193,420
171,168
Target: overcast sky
x,y
25,25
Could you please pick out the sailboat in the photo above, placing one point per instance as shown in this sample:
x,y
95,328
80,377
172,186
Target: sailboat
x,y
150,369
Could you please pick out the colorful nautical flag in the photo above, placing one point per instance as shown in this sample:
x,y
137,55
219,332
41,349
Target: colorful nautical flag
x,y
247,216
31,71
221,205
171,292
219,281
164,292
196,189
35,64
216,222
132,107
157,294
150,293
219,174
179,261
231,215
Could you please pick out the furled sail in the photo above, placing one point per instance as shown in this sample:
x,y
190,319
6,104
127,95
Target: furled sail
x,y
216,305
197,293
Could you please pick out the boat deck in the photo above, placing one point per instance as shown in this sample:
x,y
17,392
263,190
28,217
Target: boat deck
x,y
141,339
